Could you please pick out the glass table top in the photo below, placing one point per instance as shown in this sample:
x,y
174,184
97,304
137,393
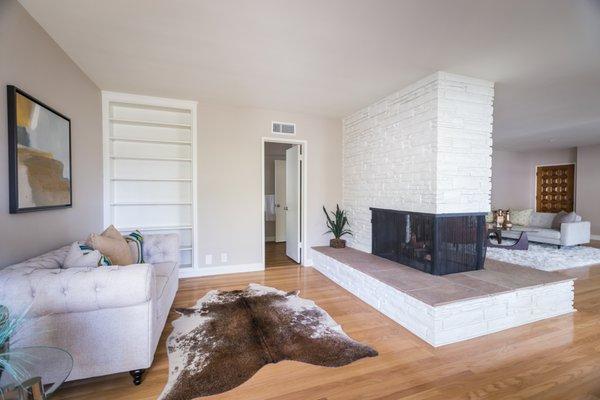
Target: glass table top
x,y
51,364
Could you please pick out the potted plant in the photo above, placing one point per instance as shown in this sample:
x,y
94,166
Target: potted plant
x,y
338,226
10,361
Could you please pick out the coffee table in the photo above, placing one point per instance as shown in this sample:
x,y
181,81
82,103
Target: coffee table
x,y
522,243
42,367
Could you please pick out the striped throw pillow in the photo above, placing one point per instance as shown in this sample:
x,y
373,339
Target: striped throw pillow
x,y
104,261
135,240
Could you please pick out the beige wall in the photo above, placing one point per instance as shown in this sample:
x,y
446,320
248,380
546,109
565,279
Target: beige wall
x,y
588,185
32,61
229,169
513,175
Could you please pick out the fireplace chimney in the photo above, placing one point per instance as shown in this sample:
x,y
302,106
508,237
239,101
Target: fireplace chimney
x,y
423,151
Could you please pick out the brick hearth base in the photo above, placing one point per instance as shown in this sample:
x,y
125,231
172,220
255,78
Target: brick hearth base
x,y
448,309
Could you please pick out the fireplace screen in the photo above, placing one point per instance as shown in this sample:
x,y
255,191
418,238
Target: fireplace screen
x,y
435,243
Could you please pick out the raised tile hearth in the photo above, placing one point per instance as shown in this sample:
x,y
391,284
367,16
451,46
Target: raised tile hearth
x,y
451,308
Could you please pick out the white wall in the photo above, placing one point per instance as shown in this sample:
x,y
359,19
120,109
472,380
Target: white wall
x,y
426,148
513,175
32,61
588,185
229,177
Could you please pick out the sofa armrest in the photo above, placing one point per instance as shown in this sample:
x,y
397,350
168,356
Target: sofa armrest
x,y
161,248
574,233
54,291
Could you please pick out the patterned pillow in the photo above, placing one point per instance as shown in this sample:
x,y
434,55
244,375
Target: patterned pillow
x,y
81,255
135,240
521,217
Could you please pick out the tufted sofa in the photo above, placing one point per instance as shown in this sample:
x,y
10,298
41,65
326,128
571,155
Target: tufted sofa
x,y
108,318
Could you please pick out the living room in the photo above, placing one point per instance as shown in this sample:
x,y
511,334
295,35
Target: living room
x,y
437,233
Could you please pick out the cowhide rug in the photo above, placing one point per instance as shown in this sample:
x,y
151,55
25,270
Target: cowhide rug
x,y
228,336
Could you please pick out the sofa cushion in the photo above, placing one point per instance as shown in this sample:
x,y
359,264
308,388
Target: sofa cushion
x,y
563,217
160,282
164,268
541,220
545,233
161,248
521,217
51,260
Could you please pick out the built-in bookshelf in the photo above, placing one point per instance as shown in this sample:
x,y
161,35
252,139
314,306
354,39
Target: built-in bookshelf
x,y
149,168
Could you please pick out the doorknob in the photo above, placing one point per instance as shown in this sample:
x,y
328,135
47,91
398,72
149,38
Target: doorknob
x,y
277,205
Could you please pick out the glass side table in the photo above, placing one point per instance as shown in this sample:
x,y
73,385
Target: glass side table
x,y
43,369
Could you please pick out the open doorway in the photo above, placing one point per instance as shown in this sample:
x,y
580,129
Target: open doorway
x,y
283,198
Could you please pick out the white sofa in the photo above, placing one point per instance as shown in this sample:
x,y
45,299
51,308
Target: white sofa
x,y
540,230
108,318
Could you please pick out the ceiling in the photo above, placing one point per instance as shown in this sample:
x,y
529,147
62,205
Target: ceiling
x,y
332,57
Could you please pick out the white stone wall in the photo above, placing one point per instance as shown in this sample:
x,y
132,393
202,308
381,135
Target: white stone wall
x,y
426,148
455,321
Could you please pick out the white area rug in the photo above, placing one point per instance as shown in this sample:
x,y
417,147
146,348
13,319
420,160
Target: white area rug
x,y
547,257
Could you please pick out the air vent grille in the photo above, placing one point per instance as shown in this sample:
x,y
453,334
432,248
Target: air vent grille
x,y
283,128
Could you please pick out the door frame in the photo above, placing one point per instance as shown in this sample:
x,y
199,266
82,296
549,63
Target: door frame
x,y
303,197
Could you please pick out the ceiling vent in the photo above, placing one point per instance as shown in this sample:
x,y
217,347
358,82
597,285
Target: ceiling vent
x,y
283,128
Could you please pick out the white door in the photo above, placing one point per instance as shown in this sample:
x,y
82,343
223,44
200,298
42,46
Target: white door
x,y
279,200
292,205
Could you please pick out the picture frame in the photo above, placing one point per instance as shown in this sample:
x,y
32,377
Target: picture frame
x,y
39,155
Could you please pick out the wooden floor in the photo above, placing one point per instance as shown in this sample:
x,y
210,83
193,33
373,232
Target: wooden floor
x,y
275,255
557,358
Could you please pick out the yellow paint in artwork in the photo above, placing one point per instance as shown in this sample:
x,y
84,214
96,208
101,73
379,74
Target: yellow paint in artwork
x,y
24,110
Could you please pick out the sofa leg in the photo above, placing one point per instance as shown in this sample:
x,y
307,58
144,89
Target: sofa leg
x,y
137,376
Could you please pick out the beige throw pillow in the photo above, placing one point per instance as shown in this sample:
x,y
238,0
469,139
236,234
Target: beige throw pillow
x,y
111,244
521,217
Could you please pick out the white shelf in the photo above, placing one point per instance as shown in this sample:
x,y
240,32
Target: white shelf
x,y
155,228
158,136
151,158
122,139
149,123
152,179
188,203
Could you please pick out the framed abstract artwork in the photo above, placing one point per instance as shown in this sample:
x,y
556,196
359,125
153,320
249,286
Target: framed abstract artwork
x,y
39,155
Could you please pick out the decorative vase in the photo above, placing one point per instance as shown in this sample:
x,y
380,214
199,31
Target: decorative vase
x,y
337,243
507,224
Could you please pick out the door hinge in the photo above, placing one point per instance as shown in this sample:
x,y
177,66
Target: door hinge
x,y
300,157
299,245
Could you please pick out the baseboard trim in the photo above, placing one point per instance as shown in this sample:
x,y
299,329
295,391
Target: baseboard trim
x,y
220,270
269,238
595,237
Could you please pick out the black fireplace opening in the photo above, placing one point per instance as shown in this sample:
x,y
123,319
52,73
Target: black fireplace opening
x,y
438,244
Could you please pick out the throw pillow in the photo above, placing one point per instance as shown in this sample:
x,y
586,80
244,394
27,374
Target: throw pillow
x,y
135,240
83,256
563,217
112,245
521,217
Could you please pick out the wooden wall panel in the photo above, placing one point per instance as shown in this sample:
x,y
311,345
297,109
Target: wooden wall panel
x,y
555,188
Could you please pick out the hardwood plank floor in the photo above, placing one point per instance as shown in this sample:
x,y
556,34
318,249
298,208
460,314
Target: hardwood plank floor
x,y
275,255
558,358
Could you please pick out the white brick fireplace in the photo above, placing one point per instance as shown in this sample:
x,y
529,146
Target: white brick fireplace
x,y
421,160
426,148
